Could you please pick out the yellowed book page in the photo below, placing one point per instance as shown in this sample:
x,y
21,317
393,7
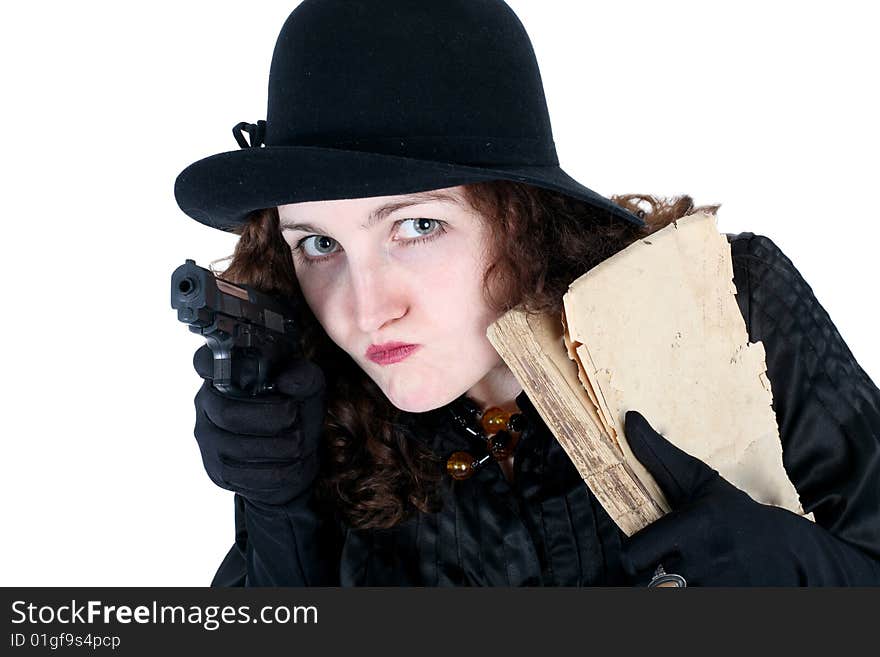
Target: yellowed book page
x,y
656,328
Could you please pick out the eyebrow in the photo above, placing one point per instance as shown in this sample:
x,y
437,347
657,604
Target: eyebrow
x,y
381,212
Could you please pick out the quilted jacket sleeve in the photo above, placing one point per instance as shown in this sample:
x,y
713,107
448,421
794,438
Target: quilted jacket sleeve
x,y
284,545
827,407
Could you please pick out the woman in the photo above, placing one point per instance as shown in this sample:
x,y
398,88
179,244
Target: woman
x,y
412,199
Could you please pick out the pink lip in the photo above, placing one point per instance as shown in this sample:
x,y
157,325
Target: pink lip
x,y
390,352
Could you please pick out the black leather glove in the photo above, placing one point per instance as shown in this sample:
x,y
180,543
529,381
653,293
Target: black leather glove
x,y
716,535
264,448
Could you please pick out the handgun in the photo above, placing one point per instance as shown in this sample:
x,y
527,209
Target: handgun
x,y
250,334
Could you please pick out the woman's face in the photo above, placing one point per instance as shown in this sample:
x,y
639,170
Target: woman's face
x,y
405,269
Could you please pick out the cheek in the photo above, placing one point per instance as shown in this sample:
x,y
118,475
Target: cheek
x,y
454,293
319,296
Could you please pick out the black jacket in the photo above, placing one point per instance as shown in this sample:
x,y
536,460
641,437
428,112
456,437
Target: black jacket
x,y
548,529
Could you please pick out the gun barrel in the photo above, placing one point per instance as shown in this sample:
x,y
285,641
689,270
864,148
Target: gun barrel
x,y
198,295
247,331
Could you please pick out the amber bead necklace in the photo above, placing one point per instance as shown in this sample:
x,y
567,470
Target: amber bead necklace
x,y
500,430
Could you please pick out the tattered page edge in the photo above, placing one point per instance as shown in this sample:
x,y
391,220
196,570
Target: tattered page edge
x,y
627,503
570,347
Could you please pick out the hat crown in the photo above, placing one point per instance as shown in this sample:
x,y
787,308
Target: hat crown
x,y
447,80
382,97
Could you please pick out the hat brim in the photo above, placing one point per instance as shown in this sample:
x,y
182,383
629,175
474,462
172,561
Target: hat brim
x,y
221,190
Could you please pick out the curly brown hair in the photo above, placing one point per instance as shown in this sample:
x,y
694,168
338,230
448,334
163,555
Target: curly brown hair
x,y
374,475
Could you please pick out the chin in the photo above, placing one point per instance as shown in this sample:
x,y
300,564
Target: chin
x,y
410,407
419,403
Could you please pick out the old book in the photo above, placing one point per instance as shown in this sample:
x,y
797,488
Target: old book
x,y
654,328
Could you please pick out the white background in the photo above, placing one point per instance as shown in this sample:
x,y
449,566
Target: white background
x,y
767,108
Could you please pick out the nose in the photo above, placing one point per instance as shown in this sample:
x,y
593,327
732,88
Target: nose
x,y
378,297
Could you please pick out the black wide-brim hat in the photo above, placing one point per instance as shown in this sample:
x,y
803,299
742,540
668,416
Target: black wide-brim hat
x,y
386,97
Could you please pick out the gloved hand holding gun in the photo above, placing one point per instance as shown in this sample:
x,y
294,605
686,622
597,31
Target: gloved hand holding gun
x,y
260,409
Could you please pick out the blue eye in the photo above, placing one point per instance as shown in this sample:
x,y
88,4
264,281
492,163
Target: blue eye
x,y
419,224
323,245
433,228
